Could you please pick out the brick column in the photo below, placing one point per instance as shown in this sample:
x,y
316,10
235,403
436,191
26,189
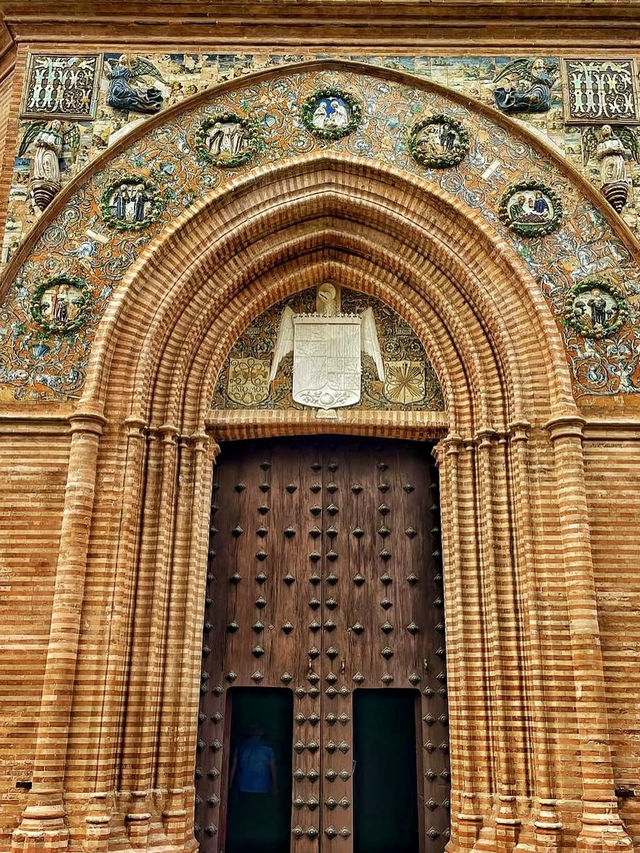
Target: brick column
x,y
101,805
178,744
43,826
602,827
466,820
496,569
546,825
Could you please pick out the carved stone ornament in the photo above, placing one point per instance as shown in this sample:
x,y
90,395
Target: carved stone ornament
x,y
327,366
439,141
61,86
60,305
595,308
530,208
331,113
227,140
248,382
131,202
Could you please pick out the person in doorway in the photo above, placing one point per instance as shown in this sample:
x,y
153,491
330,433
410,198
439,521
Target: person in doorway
x,y
253,769
253,811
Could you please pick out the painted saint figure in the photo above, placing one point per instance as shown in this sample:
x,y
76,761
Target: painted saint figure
x,y
541,206
140,199
331,114
598,305
517,208
226,138
120,200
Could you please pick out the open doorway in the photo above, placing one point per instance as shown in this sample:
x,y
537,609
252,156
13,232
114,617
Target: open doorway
x,y
259,771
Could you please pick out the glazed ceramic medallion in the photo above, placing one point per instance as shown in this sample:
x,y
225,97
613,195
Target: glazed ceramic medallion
x,y
530,208
595,308
438,142
331,113
131,202
227,140
59,306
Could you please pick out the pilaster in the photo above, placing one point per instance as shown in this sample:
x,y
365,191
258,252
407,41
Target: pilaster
x,y
602,827
43,826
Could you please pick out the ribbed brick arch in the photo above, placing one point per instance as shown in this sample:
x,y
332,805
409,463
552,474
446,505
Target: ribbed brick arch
x,y
430,254
118,720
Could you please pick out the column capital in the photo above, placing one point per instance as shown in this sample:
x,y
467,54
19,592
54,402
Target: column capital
x,y
566,426
519,430
87,422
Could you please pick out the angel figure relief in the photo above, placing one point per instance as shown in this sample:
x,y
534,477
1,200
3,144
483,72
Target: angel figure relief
x,y
47,141
611,151
124,95
528,88
327,348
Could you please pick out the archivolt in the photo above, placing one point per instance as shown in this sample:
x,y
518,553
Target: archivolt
x,y
480,315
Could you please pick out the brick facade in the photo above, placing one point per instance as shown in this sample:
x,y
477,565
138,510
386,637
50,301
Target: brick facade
x,y
106,497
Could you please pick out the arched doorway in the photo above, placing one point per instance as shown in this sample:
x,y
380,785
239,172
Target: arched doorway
x,y
119,760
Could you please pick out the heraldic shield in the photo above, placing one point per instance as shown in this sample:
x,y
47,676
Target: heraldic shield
x,y
326,361
327,353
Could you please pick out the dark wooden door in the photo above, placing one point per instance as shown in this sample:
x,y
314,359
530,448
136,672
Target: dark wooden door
x,y
325,578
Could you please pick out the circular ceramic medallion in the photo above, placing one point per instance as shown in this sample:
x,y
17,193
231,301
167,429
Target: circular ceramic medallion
x,y
331,113
131,202
595,308
439,141
227,140
60,304
530,209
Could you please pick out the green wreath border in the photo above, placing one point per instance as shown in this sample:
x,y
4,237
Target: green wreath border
x,y
310,105
132,180
72,325
569,319
530,229
250,125
442,161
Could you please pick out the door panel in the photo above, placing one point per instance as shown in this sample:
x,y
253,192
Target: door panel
x,y
324,578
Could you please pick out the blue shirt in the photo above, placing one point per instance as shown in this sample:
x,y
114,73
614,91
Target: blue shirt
x,y
253,770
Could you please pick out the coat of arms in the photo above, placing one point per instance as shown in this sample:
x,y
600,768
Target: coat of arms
x,y
327,347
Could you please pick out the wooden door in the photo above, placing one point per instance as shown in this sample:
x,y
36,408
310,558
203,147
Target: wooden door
x,y
324,578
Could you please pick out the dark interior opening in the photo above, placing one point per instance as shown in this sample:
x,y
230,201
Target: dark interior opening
x,y
385,794
259,771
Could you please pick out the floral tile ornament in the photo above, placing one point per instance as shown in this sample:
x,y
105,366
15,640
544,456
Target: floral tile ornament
x,y
530,208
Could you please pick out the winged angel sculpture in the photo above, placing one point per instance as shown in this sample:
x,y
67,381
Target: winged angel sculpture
x,y
327,349
48,140
530,86
123,95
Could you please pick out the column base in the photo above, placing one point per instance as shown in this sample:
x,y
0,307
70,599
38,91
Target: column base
x,y
604,832
41,830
